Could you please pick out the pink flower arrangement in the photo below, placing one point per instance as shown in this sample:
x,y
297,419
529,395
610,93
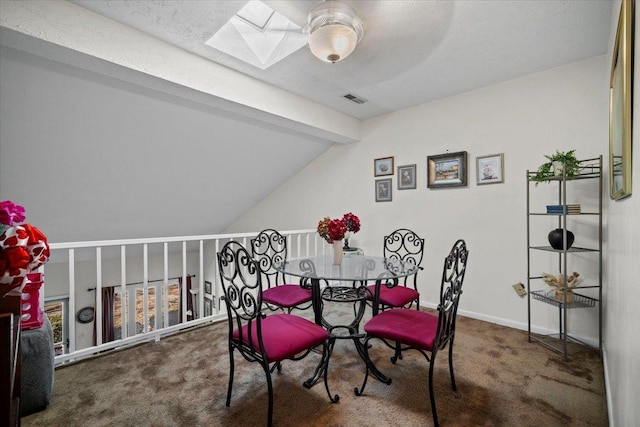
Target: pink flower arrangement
x,y
23,248
335,229
10,213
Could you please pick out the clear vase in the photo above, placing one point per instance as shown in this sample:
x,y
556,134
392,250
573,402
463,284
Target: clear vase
x,y
337,252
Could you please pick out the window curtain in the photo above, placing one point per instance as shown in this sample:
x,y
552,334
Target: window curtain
x,y
189,298
108,302
108,328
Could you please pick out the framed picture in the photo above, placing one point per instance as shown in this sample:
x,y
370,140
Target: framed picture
x,y
490,169
208,288
620,106
383,166
383,190
407,177
447,170
208,307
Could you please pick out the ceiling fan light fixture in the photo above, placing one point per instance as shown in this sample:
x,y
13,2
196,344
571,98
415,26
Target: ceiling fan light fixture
x,y
334,31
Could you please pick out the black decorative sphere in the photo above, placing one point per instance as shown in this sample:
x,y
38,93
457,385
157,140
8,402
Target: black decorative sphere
x,y
555,238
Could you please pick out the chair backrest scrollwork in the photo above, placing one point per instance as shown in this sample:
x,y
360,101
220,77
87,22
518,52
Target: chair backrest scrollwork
x,y
270,247
405,246
241,283
455,267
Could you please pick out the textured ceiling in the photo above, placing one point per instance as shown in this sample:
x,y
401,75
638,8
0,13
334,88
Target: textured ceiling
x,y
412,52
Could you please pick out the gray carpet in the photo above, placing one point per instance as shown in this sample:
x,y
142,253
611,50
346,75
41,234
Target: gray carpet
x,y
502,379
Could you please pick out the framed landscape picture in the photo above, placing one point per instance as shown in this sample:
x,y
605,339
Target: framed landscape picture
x,y
490,169
383,166
407,177
208,288
447,170
383,190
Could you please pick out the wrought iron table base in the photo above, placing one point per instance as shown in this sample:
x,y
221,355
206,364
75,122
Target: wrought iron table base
x,y
343,294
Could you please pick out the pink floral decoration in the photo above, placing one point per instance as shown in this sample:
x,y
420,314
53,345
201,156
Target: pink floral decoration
x,y
23,248
10,213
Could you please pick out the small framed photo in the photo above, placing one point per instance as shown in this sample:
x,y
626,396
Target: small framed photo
x,y
383,190
383,166
407,177
208,288
490,169
447,170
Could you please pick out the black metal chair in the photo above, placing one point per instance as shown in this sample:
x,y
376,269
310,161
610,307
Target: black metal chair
x,y
266,339
270,247
421,331
406,246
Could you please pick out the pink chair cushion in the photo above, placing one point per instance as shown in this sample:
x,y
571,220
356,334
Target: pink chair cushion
x,y
397,296
286,295
410,327
284,336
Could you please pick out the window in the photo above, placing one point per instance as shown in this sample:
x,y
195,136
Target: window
x,y
137,293
57,310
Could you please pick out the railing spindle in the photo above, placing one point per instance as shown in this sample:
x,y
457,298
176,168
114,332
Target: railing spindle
x,y
107,274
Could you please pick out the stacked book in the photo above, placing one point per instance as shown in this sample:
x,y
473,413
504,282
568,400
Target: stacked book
x,y
564,209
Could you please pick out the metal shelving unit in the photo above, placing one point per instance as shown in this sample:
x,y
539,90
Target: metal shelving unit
x,y
589,169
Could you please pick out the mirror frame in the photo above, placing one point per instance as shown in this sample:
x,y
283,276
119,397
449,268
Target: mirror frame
x,y
620,104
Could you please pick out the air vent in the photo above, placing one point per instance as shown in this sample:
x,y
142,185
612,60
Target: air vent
x,y
355,98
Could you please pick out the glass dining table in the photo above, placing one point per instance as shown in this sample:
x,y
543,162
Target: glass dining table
x,y
345,282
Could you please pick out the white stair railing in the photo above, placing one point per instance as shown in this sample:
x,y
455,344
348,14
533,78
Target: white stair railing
x,y
138,268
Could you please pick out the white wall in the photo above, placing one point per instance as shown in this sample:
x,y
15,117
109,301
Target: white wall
x,y
526,118
91,157
622,293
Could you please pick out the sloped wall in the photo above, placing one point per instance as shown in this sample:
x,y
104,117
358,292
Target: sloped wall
x,y
91,157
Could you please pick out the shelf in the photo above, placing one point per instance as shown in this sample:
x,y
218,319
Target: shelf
x,y
555,342
574,289
571,249
589,169
587,287
579,301
559,214
575,178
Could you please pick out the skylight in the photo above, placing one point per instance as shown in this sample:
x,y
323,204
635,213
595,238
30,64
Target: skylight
x,y
258,35
256,13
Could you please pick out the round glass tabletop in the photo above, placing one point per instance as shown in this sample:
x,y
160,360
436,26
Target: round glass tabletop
x,y
356,268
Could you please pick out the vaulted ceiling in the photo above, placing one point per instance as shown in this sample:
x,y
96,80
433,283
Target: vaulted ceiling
x,y
412,51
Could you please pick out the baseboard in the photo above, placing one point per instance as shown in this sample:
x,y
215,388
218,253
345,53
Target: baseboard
x,y
493,319
607,386
512,324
